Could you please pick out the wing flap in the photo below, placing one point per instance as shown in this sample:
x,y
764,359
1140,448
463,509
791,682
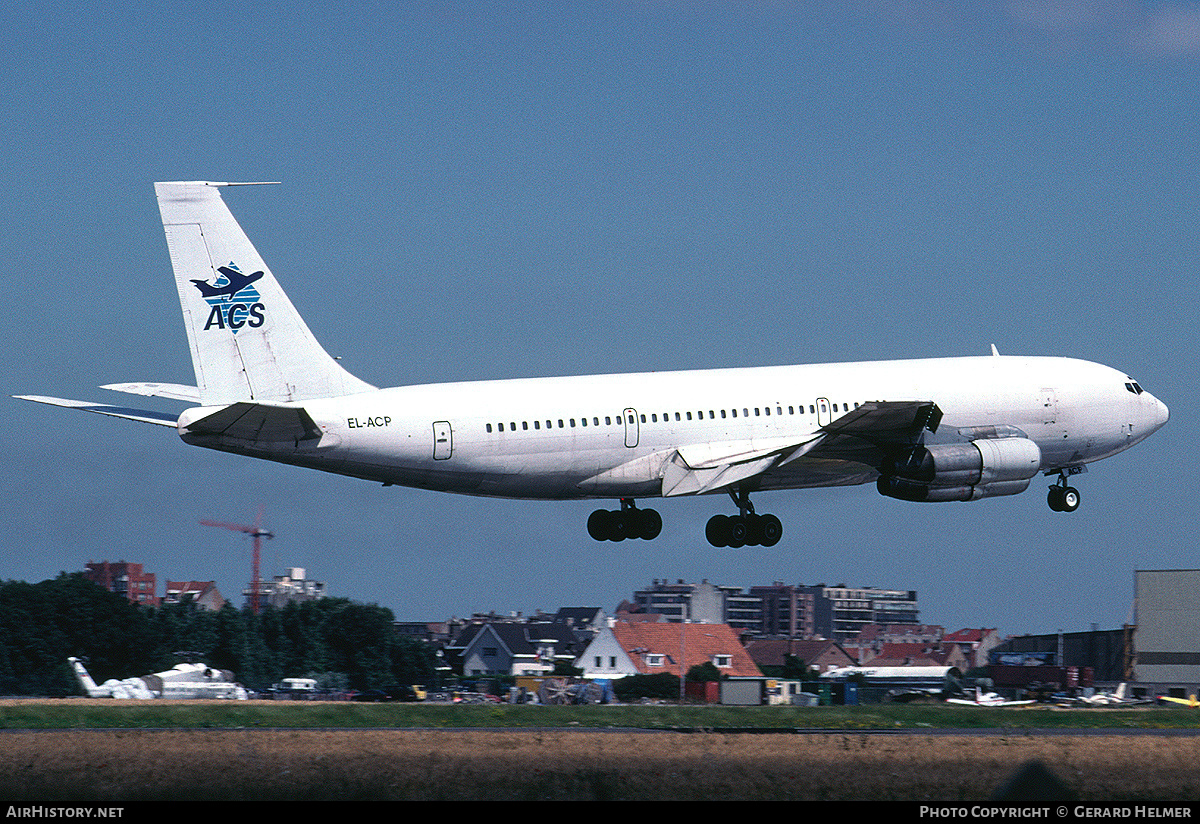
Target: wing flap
x,y
887,420
681,479
723,453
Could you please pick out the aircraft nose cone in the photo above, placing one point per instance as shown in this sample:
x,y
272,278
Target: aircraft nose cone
x,y
1155,412
1161,413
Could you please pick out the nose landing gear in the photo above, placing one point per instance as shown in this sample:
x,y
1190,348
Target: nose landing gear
x,y
744,529
1063,498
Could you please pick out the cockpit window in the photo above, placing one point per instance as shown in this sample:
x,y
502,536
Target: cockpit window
x,y
1133,387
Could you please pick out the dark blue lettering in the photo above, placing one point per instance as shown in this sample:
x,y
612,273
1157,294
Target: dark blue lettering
x,y
215,316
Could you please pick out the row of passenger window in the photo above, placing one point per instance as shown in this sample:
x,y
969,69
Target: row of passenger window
x,y
653,417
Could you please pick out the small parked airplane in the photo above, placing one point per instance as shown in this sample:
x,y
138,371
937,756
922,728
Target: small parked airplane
x,y
1120,698
948,429
984,698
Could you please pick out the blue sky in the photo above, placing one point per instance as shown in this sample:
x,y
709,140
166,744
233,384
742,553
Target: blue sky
x,y
492,190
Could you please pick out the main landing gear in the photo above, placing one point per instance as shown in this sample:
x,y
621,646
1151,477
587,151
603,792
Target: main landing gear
x,y
744,529
626,522
1063,498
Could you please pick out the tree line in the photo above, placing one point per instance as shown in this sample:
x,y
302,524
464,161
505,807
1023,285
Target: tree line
x,y
344,644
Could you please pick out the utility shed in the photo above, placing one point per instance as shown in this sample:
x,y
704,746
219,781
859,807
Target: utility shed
x,y
746,692
1167,644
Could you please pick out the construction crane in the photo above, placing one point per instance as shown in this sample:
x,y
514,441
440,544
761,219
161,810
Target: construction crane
x,y
258,533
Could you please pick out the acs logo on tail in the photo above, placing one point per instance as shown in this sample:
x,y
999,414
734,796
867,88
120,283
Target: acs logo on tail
x,y
234,300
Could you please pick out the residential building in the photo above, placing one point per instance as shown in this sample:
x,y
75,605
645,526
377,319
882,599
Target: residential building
x,y
124,579
779,610
203,594
644,648
975,644
288,587
504,648
853,608
584,622
821,655
869,641
680,601
918,655
433,632
789,611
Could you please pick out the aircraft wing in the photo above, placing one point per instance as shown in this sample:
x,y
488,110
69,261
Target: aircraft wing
x,y
139,415
1187,702
699,468
967,702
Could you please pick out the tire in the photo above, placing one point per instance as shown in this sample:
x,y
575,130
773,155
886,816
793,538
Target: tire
x,y
1054,498
738,531
770,530
753,529
649,524
598,524
619,526
1070,499
717,530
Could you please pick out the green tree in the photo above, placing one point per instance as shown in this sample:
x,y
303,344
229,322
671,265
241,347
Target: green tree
x,y
704,672
413,662
796,669
41,625
337,640
358,637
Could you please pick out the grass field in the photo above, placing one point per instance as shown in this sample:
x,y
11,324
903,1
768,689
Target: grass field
x,y
82,712
54,752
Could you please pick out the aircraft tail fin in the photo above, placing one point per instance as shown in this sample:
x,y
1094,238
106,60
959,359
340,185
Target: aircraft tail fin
x,y
248,342
85,680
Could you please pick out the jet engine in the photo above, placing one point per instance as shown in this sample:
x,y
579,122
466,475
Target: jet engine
x,y
981,468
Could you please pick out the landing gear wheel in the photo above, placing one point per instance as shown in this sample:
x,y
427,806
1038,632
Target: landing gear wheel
x,y
626,522
649,524
770,530
1054,498
717,530
753,529
1070,499
1063,498
745,528
597,524
737,531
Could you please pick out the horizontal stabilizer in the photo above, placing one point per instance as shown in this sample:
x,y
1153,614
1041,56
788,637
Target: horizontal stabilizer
x,y
247,421
139,415
175,391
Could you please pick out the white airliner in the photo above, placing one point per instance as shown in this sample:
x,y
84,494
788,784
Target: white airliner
x,y
950,429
